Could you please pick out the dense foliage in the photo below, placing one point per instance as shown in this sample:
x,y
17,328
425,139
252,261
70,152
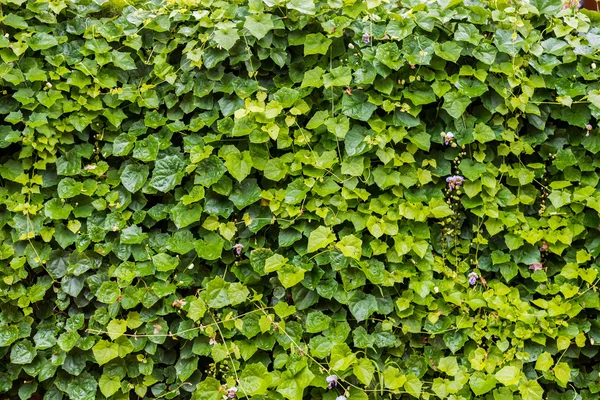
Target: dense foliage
x,y
299,199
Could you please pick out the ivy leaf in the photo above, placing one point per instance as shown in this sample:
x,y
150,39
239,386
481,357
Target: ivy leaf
x,y
544,362
508,376
531,390
362,305
22,352
562,372
134,176
255,380
413,386
211,247
208,389
116,328
350,246
389,55
164,262
483,133
290,275
316,322
455,104
197,309
357,106
226,34
259,25
364,371
105,351
316,43
449,51
168,172
109,385
294,380
481,383
42,41
320,238
303,6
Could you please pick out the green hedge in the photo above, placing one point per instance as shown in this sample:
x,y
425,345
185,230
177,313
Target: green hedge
x,y
208,196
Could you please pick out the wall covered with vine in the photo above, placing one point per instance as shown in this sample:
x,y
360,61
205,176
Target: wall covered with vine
x,y
296,199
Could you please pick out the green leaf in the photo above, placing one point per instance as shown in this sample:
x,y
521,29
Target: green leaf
x,y
208,389
508,376
320,238
255,380
342,357
168,172
116,328
22,352
294,380
197,309
42,41
164,262
455,104
259,25
316,322
357,106
275,169
449,365
226,34
303,6
350,246
483,133
413,386
55,209
105,351
316,43
134,176
364,371
389,55
544,362
449,51
290,275
68,188
531,390
481,383
562,371
109,385
211,247
274,263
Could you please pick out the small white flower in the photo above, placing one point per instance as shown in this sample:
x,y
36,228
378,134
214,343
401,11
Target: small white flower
x,y
6,35
115,228
449,135
350,46
90,167
191,266
436,289
212,341
593,65
48,85
341,398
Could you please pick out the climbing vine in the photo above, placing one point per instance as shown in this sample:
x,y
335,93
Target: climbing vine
x,y
293,199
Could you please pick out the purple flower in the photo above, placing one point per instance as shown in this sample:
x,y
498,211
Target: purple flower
x,y
366,38
473,278
341,398
448,136
331,381
589,127
455,181
536,267
238,247
231,392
